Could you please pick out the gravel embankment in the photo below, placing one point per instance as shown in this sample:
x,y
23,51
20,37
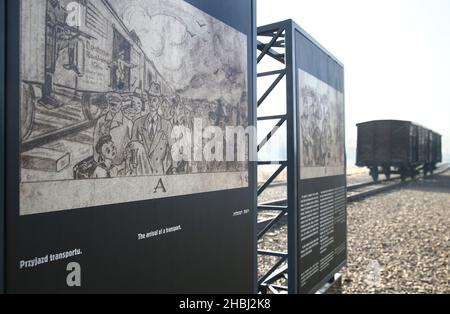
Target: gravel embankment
x,y
399,242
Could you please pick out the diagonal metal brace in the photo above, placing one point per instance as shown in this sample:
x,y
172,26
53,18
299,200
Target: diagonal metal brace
x,y
271,271
272,87
271,224
280,57
271,133
272,178
276,275
270,44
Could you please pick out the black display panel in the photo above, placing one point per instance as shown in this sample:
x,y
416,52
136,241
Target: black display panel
x,y
93,202
322,217
2,142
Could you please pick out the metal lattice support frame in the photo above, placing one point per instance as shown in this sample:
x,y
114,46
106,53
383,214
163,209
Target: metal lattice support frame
x,y
278,47
2,144
278,43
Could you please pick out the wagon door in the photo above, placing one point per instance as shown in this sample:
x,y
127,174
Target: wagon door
x,y
121,71
400,142
383,138
439,148
414,144
430,146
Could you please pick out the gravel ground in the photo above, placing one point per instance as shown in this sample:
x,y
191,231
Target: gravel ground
x,y
399,242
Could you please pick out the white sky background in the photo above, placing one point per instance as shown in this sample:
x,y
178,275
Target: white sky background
x,y
396,55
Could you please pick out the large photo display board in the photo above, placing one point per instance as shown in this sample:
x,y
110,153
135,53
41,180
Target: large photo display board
x,y
111,88
111,189
322,217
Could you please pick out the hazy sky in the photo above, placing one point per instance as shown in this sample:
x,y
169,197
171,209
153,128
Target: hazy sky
x,y
396,55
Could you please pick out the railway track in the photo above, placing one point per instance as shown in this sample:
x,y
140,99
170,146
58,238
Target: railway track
x,y
358,186
370,189
356,192
364,190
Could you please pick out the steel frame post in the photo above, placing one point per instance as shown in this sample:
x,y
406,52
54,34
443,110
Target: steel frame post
x,y
279,269
291,92
253,150
2,144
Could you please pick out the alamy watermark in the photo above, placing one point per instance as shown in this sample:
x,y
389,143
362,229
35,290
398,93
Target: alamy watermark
x,y
373,278
74,14
231,143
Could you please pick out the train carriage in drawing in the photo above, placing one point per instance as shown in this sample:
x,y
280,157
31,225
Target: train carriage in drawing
x,y
73,53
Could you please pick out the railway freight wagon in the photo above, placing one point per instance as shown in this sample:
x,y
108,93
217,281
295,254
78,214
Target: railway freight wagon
x,y
73,53
434,150
397,147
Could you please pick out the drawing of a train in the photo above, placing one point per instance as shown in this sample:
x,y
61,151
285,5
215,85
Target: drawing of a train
x,y
73,53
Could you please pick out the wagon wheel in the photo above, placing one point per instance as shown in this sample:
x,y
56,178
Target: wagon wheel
x,y
413,173
374,173
27,111
93,105
387,172
403,173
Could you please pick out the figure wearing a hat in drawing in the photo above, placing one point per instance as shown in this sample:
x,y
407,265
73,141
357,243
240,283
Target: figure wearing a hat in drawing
x,y
154,130
115,124
218,115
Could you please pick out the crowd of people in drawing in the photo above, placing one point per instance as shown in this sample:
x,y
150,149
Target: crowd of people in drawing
x,y
133,136
322,129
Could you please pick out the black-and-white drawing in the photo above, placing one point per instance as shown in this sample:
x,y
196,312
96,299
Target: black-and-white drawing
x,y
322,128
101,97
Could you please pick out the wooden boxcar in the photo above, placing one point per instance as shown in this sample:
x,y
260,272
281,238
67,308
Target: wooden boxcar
x,y
397,147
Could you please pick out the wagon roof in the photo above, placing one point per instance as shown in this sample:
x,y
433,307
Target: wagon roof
x,y
398,121
387,120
